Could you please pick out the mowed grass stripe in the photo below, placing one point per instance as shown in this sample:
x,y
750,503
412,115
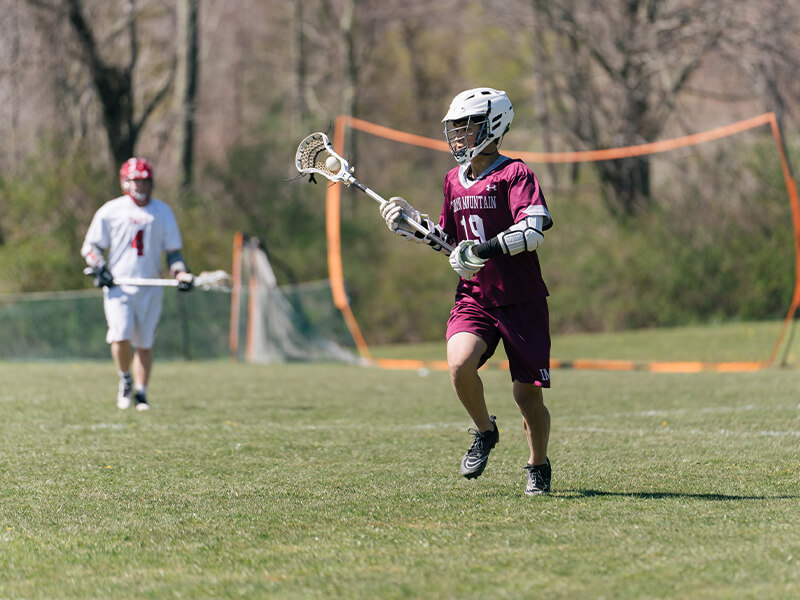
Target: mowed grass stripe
x,y
664,429
306,481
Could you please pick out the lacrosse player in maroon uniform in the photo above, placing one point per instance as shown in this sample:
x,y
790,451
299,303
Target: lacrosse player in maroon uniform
x,y
494,213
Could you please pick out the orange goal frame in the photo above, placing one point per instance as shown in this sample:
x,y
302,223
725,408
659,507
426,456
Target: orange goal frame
x,y
333,232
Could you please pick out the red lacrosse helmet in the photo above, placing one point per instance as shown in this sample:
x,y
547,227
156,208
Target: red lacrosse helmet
x,y
136,169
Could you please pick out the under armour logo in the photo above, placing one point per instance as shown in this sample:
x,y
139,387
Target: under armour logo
x,y
491,187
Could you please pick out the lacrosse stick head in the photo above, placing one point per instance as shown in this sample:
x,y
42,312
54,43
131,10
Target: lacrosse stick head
x,y
315,154
214,280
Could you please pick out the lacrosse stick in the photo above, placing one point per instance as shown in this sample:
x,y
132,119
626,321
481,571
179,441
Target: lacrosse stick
x,y
316,155
207,280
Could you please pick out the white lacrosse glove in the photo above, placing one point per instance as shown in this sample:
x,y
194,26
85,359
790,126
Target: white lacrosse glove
x,y
185,281
464,261
393,211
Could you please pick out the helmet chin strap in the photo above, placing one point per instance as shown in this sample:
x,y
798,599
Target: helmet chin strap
x,y
496,148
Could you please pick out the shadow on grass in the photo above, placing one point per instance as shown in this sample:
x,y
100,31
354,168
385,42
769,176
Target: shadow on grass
x,y
659,495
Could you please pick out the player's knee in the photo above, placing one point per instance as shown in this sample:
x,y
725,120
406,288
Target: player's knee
x,y
462,370
528,395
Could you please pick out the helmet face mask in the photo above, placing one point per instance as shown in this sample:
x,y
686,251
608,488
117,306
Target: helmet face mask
x,y
139,190
486,111
465,135
136,180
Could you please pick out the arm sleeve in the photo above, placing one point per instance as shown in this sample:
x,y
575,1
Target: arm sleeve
x,y
526,198
173,244
96,242
172,234
488,249
175,262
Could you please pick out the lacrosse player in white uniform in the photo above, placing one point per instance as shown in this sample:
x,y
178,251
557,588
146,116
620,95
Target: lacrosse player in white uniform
x,y
127,238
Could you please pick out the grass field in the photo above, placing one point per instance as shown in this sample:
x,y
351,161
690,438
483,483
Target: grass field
x,y
318,481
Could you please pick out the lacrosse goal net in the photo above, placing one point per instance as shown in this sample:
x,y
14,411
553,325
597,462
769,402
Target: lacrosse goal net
x,y
271,323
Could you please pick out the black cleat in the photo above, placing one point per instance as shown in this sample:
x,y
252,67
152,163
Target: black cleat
x,y
474,461
141,401
538,479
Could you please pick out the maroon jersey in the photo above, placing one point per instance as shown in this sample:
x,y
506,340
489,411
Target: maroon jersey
x,y
504,194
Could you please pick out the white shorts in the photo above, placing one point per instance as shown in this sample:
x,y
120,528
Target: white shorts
x,y
133,316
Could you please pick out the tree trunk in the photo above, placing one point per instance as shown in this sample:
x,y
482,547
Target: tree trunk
x,y
186,87
626,185
300,67
350,84
113,85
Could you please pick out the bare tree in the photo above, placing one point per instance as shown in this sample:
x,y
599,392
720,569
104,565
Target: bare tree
x,y
624,64
14,100
300,62
186,86
113,83
770,31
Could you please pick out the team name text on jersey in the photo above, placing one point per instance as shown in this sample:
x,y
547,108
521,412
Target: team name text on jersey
x,y
473,202
140,220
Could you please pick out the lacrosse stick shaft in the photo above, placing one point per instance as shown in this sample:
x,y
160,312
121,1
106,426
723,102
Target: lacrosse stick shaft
x,y
144,281
416,226
141,281
314,155
207,280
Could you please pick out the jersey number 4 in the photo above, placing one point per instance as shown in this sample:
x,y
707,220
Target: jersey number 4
x,y
138,242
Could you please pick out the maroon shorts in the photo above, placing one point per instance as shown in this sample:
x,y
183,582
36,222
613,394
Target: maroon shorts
x,y
524,329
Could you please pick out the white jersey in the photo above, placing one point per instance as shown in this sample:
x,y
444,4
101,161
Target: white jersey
x,y
135,236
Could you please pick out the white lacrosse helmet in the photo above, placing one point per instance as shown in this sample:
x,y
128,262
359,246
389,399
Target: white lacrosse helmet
x,y
489,108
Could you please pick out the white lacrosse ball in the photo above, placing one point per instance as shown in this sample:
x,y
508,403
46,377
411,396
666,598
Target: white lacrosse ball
x,y
333,164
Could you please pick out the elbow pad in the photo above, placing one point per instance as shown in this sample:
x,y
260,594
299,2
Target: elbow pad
x,y
524,236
